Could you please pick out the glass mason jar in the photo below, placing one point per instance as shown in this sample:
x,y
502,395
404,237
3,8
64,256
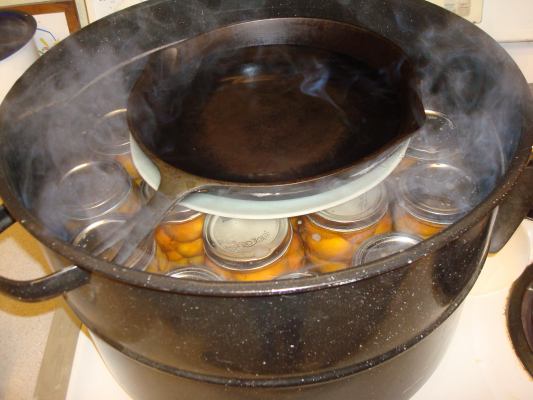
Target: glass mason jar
x,y
110,139
382,246
332,236
430,197
252,250
95,190
144,258
197,273
436,140
179,236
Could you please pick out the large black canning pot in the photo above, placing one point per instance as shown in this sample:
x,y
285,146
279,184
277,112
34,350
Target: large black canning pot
x,y
374,332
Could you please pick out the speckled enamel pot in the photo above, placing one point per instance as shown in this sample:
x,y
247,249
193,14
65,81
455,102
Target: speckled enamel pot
x,y
372,332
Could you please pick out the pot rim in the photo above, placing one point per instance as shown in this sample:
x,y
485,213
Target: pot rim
x,y
281,287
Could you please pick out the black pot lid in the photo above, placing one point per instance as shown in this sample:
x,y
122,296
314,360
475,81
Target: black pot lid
x,y
16,29
520,318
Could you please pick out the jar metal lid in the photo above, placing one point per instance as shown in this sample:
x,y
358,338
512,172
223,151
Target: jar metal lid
x,y
435,139
110,136
197,273
93,189
381,246
359,213
245,244
437,193
90,237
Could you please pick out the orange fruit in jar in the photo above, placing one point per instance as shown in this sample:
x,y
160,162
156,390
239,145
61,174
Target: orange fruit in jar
x,y
405,222
295,223
185,231
197,260
324,266
163,239
127,162
190,249
295,253
310,228
328,248
263,273
175,256
385,225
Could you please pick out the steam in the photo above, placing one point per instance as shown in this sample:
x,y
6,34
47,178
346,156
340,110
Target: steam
x,y
314,83
77,83
467,79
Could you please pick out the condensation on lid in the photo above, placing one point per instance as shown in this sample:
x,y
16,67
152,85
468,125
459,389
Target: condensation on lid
x,y
89,238
363,211
382,246
93,188
195,273
435,139
245,243
110,136
438,193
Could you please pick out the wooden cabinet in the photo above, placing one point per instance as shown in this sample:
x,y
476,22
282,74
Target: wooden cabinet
x,y
74,10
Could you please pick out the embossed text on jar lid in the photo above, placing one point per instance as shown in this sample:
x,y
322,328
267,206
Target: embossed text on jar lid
x,y
110,135
359,213
93,189
382,246
245,244
89,238
438,193
436,139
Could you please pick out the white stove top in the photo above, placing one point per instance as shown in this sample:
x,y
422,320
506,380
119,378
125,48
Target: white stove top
x,y
480,362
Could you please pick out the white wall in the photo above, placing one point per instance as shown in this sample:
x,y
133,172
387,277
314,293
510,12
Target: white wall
x,y
511,23
508,20
522,53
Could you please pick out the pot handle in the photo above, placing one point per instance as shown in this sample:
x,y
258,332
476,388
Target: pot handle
x,y
43,288
514,208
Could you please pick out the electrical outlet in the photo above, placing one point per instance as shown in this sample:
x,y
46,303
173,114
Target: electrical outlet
x,y
471,10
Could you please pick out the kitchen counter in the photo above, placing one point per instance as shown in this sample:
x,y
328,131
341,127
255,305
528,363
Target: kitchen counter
x,y
25,339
